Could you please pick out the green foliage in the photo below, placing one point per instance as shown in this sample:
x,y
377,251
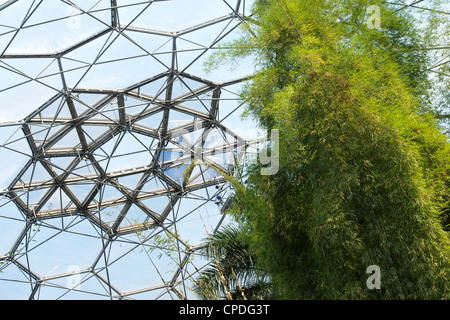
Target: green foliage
x,y
364,170
232,273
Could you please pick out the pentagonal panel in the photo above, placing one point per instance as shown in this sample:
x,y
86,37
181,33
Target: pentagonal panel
x,y
52,247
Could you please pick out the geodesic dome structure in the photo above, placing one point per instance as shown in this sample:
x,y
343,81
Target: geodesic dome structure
x,y
105,111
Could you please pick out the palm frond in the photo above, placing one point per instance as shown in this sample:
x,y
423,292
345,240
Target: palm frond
x,y
232,271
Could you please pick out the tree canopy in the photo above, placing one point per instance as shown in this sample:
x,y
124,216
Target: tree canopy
x,y
364,167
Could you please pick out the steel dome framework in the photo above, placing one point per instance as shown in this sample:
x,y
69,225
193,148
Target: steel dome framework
x,y
105,115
